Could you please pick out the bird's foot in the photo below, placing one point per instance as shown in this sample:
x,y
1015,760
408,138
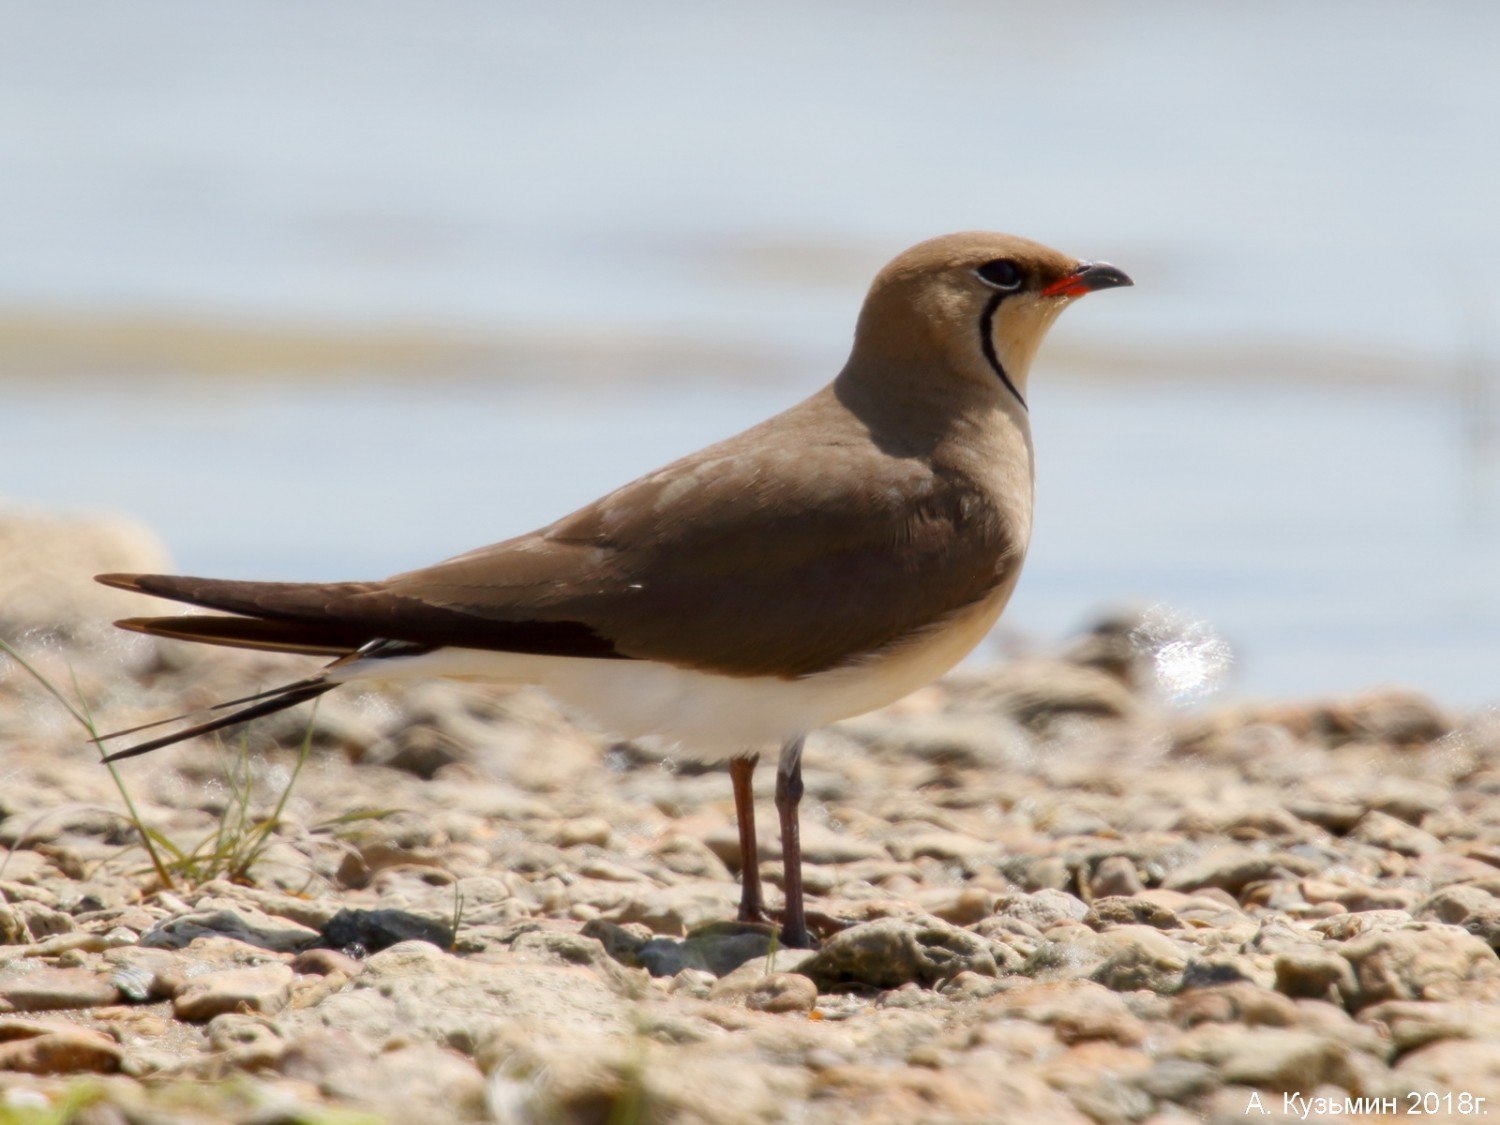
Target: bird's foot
x,y
817,928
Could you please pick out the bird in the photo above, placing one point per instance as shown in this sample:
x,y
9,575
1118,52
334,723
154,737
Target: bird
x,y
821,564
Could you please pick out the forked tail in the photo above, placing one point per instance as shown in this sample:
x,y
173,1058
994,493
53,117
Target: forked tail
x,y
261,703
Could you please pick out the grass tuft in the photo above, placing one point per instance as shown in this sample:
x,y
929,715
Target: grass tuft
x,y
239,839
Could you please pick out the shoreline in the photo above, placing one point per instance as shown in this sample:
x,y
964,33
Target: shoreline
x,y
160,348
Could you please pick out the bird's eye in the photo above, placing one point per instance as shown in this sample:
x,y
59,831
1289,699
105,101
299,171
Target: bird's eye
x,y
1002,273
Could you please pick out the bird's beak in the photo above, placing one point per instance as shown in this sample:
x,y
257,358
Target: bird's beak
x,y
1086,278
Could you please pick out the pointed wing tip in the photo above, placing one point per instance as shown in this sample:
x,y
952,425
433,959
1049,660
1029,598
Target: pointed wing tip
x,y
121,581
109,759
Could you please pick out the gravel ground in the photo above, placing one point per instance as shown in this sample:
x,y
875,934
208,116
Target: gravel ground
x,y
1065,901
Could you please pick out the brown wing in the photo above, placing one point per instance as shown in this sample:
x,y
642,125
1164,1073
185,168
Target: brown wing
x,y
782,558
785,564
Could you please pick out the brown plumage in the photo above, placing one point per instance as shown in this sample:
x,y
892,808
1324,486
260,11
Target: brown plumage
x,y
814,566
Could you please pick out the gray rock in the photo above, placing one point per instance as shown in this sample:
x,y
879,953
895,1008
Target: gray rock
x,y
623,943
244,924
892,951
369,931
718,948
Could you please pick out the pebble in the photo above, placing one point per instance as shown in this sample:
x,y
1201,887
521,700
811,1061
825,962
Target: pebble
x,y
893,951
783,992
1039,896
42,1048
259,988
1440,963
47,989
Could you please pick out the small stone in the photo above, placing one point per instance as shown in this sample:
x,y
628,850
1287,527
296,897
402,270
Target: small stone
x,y
1474,909
48,989
676,910
623,943
1114,876
1395,717
693,982
1386,831
1121,911
719,948
1276,1059
892,951
972,986
370,931
325,963
1465,1066
967,906
1240,1003
1343,927
1218,969
1409,1024
593,830
1041,873
245,924
783,992
42,1048
1075,1010
1314,973
1139,957
259,988
688,856
1442,963
1043,909
248,1042
952,846
1232,867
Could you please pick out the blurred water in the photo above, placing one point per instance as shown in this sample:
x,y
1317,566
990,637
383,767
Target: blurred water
x,y
1283,178
1309,171
1320,531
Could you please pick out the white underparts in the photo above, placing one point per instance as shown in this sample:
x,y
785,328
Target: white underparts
x,y
704,715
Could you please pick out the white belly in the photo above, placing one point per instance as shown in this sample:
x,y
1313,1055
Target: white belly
x,y
705,716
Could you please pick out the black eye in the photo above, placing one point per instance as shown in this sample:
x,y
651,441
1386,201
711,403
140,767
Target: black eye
x,y
1002,273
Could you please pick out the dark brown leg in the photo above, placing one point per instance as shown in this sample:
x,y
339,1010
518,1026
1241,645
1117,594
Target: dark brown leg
x,y
788,797
741,771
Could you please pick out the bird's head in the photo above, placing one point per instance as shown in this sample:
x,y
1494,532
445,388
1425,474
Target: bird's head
x,y
974,306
